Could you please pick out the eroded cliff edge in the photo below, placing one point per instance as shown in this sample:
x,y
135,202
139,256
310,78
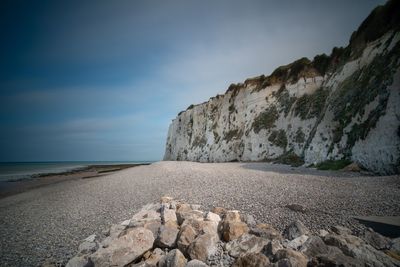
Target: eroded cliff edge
x,y
342,106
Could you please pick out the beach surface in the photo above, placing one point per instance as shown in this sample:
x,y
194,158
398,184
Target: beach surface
x,y
48,223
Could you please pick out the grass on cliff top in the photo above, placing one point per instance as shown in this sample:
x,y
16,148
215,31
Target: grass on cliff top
x,y
333,164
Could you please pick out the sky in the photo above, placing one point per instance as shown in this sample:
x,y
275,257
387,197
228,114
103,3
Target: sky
x,y
102,80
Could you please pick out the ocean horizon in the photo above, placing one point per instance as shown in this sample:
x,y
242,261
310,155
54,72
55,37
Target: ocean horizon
x,y
13,171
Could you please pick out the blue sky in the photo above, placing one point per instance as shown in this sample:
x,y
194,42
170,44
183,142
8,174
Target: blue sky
x,y
102,80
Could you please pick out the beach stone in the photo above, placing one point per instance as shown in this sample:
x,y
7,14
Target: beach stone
x,y
296,208
192,214
153,226
233,229
196,263
186,236
314,246
252,260
125,249
295,229
220,211
202,247
174,258
167,235
152,258
232,216
322,233
376,240
168,215
195,207
80,261
248,219
358,249
213,217
266,231
245,244
297,242
289,257
340,230
87,247
272,247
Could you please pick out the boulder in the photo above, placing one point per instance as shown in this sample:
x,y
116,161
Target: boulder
x,y
248,219
186,236
272,247
289,257
266,231
183,207
209,227
186,215
314,246
297,242
376,240
79,261
341,230
167,235
213,217
152,258
168,215
174,258
245,244
87,247
166,199
202,247
252,260
295,229
196,263
195,207
232,216
153,226
233,229
352,167
125,249
220,211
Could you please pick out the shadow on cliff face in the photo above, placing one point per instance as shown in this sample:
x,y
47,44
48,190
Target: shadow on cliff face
x,y
287,169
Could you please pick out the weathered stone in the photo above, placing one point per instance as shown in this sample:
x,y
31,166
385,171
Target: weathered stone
x,y
202,247
245,244
166,199
167,235
314,246
233,229
192,214
209,227
91,238
144,216
213,217
220,211
272,247
168,215
174,258
322,233
296,208
340,230
195,207
183,207
87,247
154,257
116,230
252,260
295,229
266,231
153,226
352,167
293,257
196,263
376,240
248,219
232,216
126,223
358,249
297,242
334,257
125,249
80,261
186,236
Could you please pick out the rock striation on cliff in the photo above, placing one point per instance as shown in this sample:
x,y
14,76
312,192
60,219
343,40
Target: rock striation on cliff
x,y
345,106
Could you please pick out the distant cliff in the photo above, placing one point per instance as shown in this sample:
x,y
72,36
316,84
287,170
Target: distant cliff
x,y
345,106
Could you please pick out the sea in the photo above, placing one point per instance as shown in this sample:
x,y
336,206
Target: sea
x,y
14,171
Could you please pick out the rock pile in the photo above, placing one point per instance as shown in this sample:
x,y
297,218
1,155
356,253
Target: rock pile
x,y
176,234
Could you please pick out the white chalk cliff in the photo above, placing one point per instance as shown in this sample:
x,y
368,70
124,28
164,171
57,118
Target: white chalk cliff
x,y
342,106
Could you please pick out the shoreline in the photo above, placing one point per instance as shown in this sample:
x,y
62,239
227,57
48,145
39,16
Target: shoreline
x,y
12,187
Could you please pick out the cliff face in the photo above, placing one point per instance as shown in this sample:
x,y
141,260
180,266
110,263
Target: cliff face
x,y
342,106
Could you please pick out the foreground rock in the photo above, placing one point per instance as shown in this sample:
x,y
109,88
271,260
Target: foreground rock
x,y
177,234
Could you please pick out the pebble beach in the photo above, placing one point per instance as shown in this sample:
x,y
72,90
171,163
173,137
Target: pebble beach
x,y
49,222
